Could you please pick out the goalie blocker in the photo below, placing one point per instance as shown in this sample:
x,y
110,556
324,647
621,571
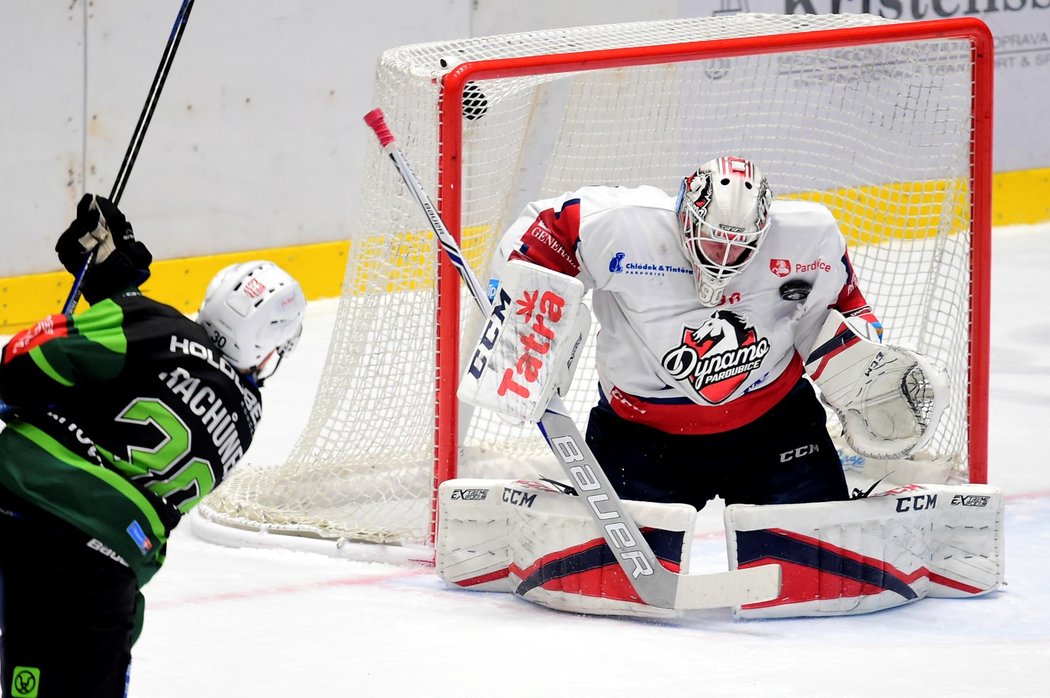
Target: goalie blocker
x,y
529,345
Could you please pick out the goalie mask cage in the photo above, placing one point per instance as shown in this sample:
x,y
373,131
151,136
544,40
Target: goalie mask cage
x,y
887,123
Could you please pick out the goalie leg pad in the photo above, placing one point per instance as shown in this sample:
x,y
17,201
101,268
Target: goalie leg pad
x,y
533,540
472,546
845,558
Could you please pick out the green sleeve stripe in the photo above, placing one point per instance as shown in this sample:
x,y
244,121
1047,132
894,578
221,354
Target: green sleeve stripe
x,y
98,323
44,365
46,442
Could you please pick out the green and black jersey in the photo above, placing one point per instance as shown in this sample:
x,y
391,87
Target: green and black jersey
x,y
123,418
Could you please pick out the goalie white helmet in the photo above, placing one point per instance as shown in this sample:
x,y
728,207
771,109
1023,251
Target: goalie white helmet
x,y
253,313
723,209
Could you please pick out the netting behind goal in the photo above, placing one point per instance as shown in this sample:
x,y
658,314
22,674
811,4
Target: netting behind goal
x,y
884,122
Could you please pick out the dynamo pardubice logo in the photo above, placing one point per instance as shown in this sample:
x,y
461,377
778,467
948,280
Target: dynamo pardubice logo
x,y
717,357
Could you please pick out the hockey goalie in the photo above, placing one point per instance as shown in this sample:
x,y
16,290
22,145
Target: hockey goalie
x,y
727,321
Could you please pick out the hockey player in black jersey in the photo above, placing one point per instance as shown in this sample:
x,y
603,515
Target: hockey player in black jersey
x,y
121,419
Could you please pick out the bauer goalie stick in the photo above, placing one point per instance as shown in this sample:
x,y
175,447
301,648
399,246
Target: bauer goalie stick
x,y
655,584
131,154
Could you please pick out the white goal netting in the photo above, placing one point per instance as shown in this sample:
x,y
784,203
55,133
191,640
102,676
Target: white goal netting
x,y
879,130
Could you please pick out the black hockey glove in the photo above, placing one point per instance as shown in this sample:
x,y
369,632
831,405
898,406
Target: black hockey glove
x,y
121,261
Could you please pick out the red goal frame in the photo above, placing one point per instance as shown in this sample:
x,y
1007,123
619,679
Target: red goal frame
x,y
449,201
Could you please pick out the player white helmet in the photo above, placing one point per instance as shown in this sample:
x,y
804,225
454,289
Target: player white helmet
x,y
253,313
723,209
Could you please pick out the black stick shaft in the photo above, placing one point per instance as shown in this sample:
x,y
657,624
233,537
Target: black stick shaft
x,y
151,101
136,137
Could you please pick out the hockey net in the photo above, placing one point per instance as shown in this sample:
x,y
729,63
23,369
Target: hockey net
x,y
886,123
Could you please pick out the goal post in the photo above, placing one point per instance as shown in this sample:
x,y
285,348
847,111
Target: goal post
x,y
887,123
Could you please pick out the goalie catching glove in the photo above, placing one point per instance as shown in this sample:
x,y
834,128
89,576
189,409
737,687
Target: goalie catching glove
x,y
889,399
529,345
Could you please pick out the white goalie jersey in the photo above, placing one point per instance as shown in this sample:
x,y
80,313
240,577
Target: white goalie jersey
x,y
664,359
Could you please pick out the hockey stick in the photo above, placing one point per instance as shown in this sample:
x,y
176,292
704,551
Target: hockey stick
x,y
657,585
131,154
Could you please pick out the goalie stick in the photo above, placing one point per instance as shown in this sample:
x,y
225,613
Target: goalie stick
x,y
655,584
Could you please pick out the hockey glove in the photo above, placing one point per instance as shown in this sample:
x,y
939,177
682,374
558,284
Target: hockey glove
x,y
121,261
889,398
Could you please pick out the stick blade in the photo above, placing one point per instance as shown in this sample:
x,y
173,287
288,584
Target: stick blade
x,y
725,589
